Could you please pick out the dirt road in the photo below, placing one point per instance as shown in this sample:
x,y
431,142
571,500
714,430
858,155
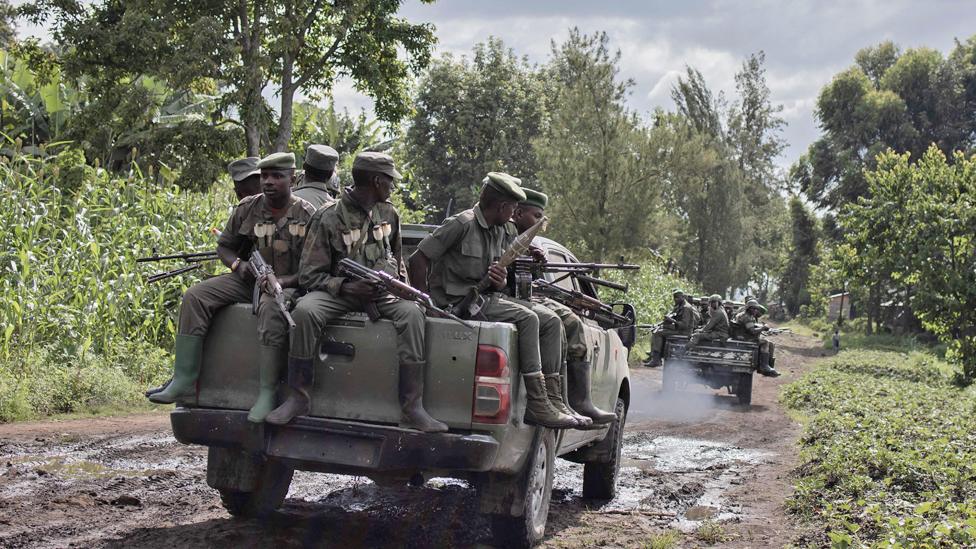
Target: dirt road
x,y
697,468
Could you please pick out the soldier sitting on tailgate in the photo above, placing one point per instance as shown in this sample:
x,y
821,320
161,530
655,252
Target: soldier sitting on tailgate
x,y
681,321
717,327
751,329
274,224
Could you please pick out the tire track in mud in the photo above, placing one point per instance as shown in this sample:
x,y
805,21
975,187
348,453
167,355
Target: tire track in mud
x,y
687,459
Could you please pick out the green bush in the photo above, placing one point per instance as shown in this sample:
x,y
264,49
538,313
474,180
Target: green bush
x,y
888,453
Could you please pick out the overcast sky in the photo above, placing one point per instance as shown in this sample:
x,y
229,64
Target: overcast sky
x,y
806,43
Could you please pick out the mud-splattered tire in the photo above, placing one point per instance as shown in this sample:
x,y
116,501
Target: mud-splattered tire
x,y
600,478
528,529
743,389
272,487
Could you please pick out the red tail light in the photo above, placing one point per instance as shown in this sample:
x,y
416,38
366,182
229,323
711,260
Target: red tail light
x,y
492,386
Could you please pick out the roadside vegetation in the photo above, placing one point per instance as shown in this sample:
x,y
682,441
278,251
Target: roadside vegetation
x,y
888,454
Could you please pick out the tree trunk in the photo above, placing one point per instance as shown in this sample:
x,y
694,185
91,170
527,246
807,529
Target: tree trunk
x,y
285,122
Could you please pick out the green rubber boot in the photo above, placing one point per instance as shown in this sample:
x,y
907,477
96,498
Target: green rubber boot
x,y
270,360
186,369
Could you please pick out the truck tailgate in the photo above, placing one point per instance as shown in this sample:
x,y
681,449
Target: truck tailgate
x,y
356,374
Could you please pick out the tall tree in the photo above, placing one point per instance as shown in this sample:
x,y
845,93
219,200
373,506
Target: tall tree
x,y
596,161
242,49
474,116
904,101
802,255
8,24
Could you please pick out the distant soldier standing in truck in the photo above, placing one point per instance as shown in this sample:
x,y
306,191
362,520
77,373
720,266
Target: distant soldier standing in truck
x,y
365,227
455,257
528,213
273,223
681,321
317,184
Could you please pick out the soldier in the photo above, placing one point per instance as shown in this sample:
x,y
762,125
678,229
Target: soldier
x,y
459,253
717,327
274,223
320,183
363,226
681,321
528,213
748,321
246,177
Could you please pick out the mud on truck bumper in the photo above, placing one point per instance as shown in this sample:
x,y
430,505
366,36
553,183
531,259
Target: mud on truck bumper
x,y
318,444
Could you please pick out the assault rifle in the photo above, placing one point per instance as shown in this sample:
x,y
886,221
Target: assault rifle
x,y
551,267
193,260
777,331
392,285
472,303
581,304
259,268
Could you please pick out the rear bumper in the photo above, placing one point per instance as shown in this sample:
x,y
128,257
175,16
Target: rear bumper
x,y
317,444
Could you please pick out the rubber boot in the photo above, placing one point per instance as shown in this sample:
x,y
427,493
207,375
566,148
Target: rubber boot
x,y
579,393
186,369
298,403
654,360
538,409
162,387
764,367
554,388
270,360
412,412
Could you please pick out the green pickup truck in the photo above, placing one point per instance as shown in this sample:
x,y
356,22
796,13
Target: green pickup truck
x,y
472,384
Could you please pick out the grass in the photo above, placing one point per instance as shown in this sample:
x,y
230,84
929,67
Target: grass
x,y
710,532
888,453
663,540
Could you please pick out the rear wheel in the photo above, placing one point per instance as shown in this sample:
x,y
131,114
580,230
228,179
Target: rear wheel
x,y
600,478
270,488
528,529
743,389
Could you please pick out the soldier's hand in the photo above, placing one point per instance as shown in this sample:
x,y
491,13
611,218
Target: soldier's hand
x,y
498,276
243,270
268,283
537,253
360,289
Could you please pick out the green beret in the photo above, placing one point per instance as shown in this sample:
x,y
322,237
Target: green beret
x,y
505,184
321,157
240,170
534,198
278,161
715,297
376,162
677,291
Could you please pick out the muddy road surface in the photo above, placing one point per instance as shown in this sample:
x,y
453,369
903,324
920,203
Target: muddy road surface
x,y
698,469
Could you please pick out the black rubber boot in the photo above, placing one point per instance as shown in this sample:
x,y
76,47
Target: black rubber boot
x,y
579,393
298,403
654,360
162,387
538,408
554,388
188,353
412,412
764,367
270,360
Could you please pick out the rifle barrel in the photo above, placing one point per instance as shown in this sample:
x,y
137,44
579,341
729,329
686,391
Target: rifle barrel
x,y
602,282
187,256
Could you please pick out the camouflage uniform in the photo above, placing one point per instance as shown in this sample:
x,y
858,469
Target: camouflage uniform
x,y
461,250
280,243
324,248
319,194
752,331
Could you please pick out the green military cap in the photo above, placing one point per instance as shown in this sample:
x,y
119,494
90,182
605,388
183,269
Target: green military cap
x,y
715,297
278,161
677,291
240,170
505,184
534,198
321,157
376,162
